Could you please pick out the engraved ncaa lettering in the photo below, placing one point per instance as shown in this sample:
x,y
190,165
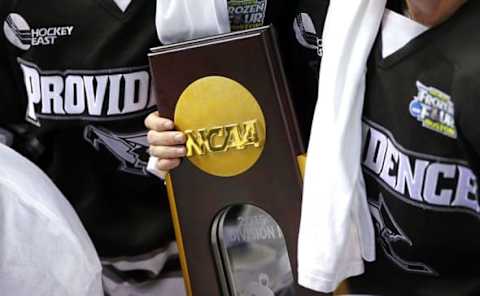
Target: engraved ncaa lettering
x,y
91,95
417,178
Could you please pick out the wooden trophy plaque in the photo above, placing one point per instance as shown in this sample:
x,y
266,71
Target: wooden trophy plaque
x,y
236,198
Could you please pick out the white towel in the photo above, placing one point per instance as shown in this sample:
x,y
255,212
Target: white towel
x,y
181,20
336,230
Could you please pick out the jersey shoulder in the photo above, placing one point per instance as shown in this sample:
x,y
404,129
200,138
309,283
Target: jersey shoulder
x,y
458,40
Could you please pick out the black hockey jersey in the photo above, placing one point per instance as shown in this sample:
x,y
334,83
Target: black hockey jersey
x,y
421,162
75,89
77,72
304,54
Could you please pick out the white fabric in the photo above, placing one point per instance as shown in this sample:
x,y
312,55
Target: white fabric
x,y
397,31
336,230
44,249
122,4
180,20
152,262
152,168
172,286
162,284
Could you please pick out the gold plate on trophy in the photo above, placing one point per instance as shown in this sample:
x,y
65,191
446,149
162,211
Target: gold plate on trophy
x,y
224,125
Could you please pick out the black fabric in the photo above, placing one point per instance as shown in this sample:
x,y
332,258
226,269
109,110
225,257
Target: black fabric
x,y
302,62
396,5
428,232
125,212
10,104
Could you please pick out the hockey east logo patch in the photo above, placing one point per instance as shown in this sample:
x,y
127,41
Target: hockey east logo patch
x,y
20,34
434,109
246,14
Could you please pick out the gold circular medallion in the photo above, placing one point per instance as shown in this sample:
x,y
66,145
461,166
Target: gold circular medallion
x,y
224,125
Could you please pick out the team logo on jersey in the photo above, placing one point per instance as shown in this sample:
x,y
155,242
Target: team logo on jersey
x,y
86,95
434,109
246,14
426,181
306,34
129,149
390,233
18,32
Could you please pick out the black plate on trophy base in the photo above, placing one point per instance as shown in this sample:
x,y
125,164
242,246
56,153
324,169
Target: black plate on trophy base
x,y
251,253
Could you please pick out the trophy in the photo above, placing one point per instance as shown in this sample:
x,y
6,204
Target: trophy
x,y
236,198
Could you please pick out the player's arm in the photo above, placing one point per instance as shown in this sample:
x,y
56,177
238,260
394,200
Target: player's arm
x,y
165,143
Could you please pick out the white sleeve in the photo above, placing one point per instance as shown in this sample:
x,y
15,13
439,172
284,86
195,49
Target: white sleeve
x,y
336,230
44,249
181,20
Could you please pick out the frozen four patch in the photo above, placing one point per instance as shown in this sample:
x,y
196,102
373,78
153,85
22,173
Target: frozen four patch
x,y
434,109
